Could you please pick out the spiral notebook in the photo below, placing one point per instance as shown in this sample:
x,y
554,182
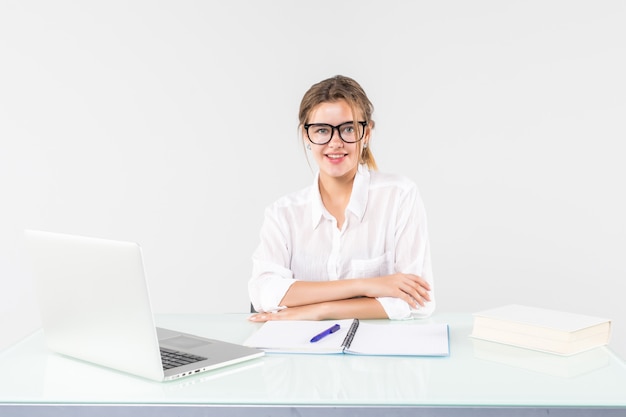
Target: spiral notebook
x,y
356,337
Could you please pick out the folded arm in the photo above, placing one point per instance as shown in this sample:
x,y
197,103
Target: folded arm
x,y
410,288
349,298
362,308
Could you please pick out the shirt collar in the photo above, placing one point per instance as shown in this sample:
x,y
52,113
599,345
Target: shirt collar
x,y
358,198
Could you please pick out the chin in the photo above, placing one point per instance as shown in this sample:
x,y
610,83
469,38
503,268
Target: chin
x,y
339,172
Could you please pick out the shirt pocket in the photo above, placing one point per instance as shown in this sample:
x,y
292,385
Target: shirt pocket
x,y
370,268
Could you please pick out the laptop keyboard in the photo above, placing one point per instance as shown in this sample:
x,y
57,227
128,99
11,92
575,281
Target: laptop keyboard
x,y
172,358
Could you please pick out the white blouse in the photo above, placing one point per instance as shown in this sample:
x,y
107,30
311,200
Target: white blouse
x,y
384,232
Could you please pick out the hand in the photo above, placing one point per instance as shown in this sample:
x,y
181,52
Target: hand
x,y
408,287
307,312
359,308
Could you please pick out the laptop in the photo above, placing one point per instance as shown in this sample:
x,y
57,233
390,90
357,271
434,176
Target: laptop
x,y
95,306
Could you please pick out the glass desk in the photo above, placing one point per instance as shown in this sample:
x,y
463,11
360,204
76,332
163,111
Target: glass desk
x,y
478,378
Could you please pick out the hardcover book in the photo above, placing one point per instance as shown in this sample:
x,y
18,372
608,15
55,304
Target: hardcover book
x,y
541,329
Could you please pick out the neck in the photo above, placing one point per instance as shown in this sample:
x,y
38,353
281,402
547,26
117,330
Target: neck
x,y
336,192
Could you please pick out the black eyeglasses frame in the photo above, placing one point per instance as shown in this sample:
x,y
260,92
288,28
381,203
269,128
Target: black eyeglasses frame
x,y
332,133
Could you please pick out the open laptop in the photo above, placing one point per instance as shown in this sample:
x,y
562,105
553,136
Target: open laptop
x,y
95,306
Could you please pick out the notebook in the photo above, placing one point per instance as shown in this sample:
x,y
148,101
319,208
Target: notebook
x,y
95,306
353,336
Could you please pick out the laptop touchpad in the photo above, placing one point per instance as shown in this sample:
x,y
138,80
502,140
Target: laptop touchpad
x,y
184,342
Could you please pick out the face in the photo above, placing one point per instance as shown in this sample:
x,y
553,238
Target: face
x,y
336,159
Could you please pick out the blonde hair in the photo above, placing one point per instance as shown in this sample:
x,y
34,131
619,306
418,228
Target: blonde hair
x,y
335,89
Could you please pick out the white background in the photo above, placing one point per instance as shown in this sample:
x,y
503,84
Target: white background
x,y
173,124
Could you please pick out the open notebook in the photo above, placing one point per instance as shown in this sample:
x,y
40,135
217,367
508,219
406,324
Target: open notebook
x,y
353,337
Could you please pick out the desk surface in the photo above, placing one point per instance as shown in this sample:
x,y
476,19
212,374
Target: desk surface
x,y
477,374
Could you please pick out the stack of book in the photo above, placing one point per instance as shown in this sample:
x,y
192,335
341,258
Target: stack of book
x,y
541,329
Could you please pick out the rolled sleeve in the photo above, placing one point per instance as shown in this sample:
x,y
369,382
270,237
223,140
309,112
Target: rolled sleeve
x,y
395,308
412,256
271,277
398,309
268,286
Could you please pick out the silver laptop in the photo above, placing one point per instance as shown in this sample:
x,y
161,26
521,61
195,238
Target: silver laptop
x,y
95,306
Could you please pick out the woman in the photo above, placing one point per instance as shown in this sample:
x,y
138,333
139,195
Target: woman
x,y
355,243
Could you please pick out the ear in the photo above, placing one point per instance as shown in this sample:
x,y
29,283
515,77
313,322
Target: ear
x,y
303,136
368,132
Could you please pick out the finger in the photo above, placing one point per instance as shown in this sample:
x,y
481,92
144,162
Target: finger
x,y
424,293
420,281
416,291
419,286
417,294
277,316
410,296
260,317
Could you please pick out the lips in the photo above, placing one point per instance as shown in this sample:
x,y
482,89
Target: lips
x,y
336,156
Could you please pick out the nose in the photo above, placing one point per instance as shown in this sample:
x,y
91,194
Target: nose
x,y
335,139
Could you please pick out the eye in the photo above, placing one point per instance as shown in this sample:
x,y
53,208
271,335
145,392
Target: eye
x,y
320,129
347,129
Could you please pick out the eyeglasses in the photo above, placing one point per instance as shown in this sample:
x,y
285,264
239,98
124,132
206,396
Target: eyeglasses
x,y
322,133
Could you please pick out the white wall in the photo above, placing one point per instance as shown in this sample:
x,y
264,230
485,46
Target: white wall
x,y
173,123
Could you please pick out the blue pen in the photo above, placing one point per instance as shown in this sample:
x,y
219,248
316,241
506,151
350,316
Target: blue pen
x,y
325,333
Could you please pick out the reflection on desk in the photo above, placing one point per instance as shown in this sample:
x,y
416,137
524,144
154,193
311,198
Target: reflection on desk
x,y
349,379
475,376
542,362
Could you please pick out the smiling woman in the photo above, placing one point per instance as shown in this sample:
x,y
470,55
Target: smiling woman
x,y
354,244
337,156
